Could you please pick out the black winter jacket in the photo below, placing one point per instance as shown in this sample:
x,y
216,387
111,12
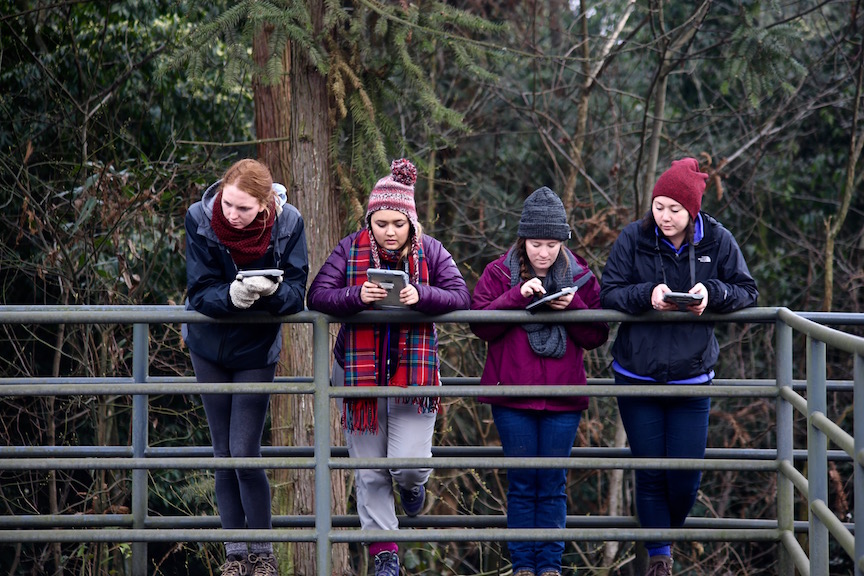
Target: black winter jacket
x,y
672,351
210,271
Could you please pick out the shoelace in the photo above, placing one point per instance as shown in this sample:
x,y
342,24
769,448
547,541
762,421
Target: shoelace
x,y
233,568
386,564
263,565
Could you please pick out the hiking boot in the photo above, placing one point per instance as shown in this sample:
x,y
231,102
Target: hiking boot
x,y
234,565
659,566
263,565
386,564
413,499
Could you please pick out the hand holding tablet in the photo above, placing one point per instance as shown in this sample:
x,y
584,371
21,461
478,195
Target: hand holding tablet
x,y
538,304
393,281
682,299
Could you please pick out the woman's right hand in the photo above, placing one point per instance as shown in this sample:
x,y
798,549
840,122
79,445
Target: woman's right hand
x,y
532,287
371,292
657,301
242,295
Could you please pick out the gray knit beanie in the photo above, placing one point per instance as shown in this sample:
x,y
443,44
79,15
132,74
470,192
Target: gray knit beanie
x,y
543,217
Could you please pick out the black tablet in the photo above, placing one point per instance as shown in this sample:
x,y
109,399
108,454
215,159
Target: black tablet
x,y
537,304
271,273
391,280
682,298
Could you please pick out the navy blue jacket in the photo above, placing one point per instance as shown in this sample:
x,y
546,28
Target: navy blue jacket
x,y
210,271
672,351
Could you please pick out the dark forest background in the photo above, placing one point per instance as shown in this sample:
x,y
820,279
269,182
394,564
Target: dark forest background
x,y
114,116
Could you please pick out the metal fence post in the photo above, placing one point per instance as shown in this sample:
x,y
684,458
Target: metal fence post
x,y
323,521
817,454
785,447
858,460
140,359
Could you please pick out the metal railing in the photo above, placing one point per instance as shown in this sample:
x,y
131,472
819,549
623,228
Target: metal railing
x,y
139,528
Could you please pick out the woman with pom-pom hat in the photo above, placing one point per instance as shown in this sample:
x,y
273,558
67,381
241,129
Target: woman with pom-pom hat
x,y
388,354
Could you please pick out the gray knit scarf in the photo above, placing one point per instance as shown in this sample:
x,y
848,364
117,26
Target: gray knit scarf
x,y
549,340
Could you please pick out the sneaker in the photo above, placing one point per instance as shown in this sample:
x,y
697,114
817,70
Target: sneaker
x,y
263,565
413,499
386,564
234,566
550,573
659,566
524,572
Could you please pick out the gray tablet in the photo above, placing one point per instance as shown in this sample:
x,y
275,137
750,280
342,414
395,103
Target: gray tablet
x,y
271,273
538,304
391,280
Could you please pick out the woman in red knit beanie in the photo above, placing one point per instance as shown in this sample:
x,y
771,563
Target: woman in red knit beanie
x,y
676,247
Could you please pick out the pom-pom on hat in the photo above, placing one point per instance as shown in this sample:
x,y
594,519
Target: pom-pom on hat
x,y
684,183
543,217
396,191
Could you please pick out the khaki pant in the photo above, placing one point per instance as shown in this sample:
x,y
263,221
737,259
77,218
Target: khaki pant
x,y
403,432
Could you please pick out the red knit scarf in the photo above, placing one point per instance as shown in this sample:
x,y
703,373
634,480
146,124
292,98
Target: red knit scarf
x,y
418,344
248,244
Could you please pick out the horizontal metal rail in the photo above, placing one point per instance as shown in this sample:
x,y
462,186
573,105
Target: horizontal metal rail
x,y
324,530
342,452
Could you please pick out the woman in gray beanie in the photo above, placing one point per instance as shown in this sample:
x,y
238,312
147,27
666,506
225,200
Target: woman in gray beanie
x,y
536,354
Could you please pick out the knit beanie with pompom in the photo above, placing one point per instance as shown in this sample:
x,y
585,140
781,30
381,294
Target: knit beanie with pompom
x,y
396,192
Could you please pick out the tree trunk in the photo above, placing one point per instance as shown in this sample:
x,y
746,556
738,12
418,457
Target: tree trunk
x,y
313,192
591,72
292,126
272,122
615,492
671,59
835,223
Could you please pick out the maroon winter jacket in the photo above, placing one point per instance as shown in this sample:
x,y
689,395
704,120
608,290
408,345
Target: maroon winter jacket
x,y
330,293
510,359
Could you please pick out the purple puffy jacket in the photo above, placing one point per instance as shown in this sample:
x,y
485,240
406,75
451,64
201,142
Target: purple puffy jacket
x,y
330,293
510,359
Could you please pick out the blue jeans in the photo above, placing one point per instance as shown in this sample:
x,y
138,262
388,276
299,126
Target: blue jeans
x,y
236,423
665,427
536,497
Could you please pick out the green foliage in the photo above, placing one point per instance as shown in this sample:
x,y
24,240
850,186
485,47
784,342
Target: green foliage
x,y
226,41
762,59
95,180
383,79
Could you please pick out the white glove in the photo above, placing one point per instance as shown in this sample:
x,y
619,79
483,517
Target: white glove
x,y
242,296
262,285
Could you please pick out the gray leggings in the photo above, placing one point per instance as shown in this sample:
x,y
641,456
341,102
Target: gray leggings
x,y
236,424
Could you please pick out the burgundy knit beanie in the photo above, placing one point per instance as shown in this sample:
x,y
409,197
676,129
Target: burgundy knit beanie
x,y
684,183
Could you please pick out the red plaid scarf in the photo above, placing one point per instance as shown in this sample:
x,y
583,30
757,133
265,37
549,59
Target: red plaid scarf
x,y
248,244
418,346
